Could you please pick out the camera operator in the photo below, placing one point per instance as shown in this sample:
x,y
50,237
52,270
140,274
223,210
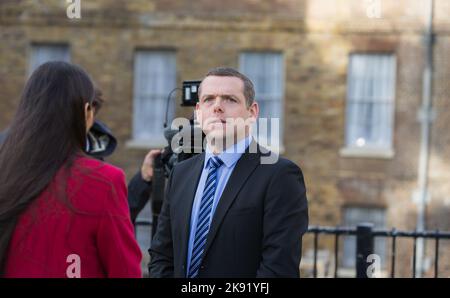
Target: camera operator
x,y
140,186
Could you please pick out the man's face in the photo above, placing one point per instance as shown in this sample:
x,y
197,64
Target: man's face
x,y
222,110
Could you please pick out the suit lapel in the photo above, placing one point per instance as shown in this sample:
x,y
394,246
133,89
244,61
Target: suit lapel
x,y
186,205
244,167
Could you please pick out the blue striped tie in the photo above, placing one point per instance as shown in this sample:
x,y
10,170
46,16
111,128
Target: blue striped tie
x,y
204,216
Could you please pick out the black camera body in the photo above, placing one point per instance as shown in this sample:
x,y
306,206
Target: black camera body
x,y
191,135
189,143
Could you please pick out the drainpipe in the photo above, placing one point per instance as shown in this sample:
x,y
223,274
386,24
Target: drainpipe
x,y
425,117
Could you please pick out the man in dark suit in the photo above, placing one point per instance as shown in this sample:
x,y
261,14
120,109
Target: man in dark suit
x,y
228,212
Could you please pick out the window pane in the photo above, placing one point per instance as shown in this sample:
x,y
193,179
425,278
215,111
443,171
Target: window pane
x,y
154,78
266,71
370,100
355,216
45,53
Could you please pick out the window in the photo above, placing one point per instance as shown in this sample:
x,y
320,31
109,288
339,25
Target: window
x,y
266,71
370,101
352,217
154,78
41,53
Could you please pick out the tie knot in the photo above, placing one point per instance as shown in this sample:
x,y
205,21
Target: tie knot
x,y
215,162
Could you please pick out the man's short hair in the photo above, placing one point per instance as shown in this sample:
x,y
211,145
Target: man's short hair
x,y
249,89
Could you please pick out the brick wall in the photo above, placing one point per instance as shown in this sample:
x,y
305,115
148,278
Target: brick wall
x,y
315,37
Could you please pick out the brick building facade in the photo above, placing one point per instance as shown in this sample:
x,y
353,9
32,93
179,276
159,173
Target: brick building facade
x,y
314,50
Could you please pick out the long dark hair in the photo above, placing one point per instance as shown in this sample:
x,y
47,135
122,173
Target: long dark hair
x,y
47,132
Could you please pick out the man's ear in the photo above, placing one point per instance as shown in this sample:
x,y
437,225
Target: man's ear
x,y
197,112
254,110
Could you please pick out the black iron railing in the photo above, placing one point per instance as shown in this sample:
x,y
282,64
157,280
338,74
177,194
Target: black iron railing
x,y
365,237
365,234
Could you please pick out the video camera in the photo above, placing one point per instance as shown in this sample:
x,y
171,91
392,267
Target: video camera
x,y
188,145
191,135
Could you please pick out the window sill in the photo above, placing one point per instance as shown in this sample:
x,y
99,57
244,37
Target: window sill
x,y
152,143
361,152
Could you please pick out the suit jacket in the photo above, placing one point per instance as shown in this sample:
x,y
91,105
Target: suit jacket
x,y
256,230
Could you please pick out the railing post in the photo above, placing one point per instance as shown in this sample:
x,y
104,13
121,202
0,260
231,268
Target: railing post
x,y
364,248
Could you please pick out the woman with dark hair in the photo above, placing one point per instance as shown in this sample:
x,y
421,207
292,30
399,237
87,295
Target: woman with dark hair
x,y
62,214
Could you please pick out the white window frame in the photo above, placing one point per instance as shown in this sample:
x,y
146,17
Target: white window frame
x,y
349,242
156,138
365,79
41,53
280,93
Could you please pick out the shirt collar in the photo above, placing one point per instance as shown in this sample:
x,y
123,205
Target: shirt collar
x,y
231,155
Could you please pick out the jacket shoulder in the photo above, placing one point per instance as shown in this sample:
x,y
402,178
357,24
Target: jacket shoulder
x,y
189,163
282,164
98,187
94,168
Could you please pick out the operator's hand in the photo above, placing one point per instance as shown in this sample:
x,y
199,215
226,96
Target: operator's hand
x,y
147,165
